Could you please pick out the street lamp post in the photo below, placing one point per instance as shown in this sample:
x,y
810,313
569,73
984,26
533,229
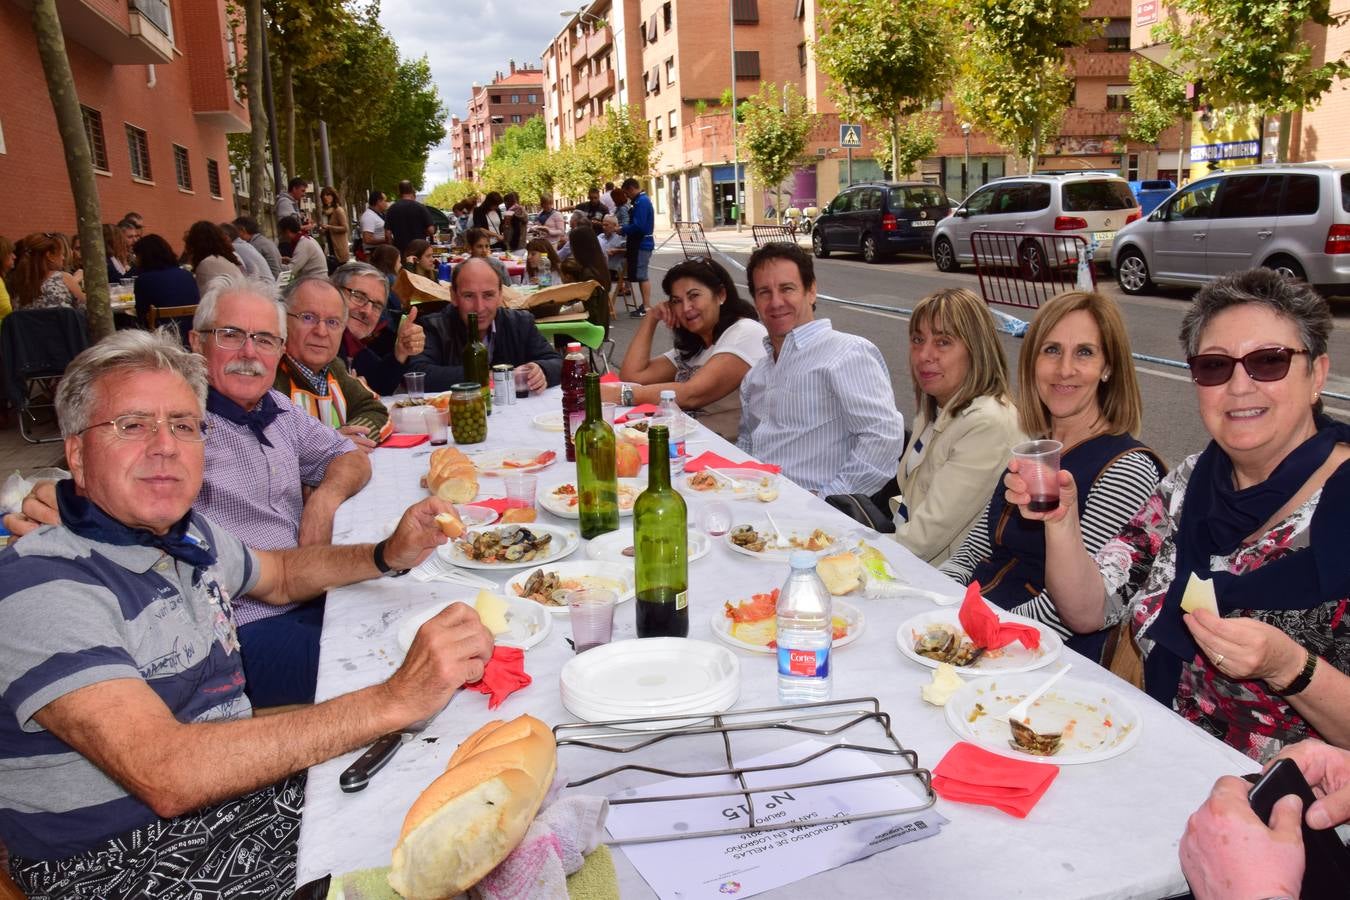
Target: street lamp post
x,y
965,170
735,145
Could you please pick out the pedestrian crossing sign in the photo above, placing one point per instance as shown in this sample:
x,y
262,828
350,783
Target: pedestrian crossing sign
x,y
850,136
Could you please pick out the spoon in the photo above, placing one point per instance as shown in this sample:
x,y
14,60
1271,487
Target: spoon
x,y
778,540
1019,712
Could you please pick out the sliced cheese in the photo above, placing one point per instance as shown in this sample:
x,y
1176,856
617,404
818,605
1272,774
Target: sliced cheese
x,y
1199,594
945,683
492,610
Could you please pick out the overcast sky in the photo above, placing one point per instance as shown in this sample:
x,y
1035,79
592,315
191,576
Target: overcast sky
x,y
468,42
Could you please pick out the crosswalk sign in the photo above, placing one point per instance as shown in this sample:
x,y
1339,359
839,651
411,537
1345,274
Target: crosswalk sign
x,y
850,136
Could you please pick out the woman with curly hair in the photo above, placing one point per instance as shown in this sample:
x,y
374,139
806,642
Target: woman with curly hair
x,y
210,252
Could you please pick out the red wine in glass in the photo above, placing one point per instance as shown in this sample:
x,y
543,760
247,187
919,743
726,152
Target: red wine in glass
x,y
1041,503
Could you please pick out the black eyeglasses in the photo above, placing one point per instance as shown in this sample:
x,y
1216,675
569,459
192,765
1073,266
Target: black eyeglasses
x,y
1266,364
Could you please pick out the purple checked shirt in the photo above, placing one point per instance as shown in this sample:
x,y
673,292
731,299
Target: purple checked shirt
x,y
254,491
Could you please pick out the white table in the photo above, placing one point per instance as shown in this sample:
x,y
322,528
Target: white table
x,y
1104,830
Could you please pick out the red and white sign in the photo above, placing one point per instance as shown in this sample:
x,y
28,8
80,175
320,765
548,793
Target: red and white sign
x,y
1146,12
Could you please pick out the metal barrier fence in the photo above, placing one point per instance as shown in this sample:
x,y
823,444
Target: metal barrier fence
x,y
773,234
692,240
1024,269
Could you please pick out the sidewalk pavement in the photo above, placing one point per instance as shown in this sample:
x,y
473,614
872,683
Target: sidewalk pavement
x,y
16,453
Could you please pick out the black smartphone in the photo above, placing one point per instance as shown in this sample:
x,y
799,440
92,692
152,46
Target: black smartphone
x,y
1327,871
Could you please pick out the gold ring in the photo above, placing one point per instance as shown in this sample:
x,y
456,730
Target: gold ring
x,y
1218,660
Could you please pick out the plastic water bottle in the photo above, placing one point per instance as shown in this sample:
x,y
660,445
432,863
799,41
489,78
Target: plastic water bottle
x,y
668,414
545,272
805,634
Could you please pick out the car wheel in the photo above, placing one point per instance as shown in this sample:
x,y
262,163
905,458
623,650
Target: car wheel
x,y
1287,266
870,253
1132,273
1031,258
944,255
818,245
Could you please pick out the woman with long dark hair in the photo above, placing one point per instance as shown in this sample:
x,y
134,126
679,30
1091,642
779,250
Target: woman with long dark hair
x,y
419,257
162,282
584,247
336,225
210,252
488,216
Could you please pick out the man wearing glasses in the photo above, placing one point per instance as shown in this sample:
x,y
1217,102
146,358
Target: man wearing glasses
x,y
128,748
376,349
311,374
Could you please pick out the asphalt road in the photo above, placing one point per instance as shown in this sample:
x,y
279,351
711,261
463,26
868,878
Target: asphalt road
x,y
890,289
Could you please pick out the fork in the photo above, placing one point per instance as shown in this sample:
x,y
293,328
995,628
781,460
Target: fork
x,y
1019,712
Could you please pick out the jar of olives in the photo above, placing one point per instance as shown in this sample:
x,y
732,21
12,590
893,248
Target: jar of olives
x,y
468,413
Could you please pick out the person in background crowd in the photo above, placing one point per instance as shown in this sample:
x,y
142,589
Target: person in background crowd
x,y
488,216
463,214
374,349
250,260
612,244
210,253
608,199
385,259
717,337
118,254
74,255
550,222
307,257
479,243
312,374
638,231
289,204
248,230
163,282
373,231
40,279
407,219
622,208
585,247
1076,385
419,257
535,250
336,226
515,222
593,208
131,229
965,427
6,266
819,402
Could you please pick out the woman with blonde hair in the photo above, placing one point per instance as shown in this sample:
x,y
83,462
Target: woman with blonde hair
x,y
1076,385
119,253
965,427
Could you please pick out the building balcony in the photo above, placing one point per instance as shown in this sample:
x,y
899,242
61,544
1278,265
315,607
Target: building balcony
x,y
601,83
1097,122
1099,64
139,32
598,40
581,89
577,56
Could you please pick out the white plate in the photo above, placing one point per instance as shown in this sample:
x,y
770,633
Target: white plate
x,y
684,426
721,627
1105,724
626,678
525,459
549,421
720,702
790,528
1004,661
609,547
529,623
565,540
474,516
582,568
558,504
747,484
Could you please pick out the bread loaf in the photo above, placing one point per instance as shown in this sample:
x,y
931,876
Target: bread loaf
x,y
450,524
841,572
452,475
472,816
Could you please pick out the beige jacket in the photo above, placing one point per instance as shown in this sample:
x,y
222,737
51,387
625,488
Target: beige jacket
x,y
951,485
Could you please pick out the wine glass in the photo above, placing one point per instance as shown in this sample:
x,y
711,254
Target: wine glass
x,y
717,518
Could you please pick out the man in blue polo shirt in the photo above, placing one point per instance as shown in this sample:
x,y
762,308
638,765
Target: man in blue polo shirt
x,y
638,231
130,764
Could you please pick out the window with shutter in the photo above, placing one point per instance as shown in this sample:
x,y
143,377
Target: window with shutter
x,y
745,12
747,65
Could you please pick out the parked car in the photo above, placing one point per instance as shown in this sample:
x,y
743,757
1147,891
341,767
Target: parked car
x,y
1293,218
1151,192
880,219
1092,205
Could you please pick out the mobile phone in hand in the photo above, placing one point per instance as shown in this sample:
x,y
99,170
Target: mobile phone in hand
x,y
1327,868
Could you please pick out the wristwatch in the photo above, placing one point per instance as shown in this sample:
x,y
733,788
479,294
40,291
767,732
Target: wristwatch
x,y
625,395
384,567
1304,678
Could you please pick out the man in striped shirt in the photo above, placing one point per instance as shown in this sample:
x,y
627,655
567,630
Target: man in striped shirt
x,y
819,404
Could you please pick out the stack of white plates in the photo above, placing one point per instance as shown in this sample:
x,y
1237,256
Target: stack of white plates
x,y
651,677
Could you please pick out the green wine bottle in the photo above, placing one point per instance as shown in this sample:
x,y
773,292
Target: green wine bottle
x,y
597,483
476,366
660,545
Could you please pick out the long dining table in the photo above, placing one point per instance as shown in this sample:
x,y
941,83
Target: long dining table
x,y
1103,830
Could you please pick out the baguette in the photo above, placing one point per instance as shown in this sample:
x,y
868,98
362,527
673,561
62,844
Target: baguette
x,y
473,815
450,524
452,476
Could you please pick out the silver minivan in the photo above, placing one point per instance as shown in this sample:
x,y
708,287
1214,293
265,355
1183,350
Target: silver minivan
x,y
1294,218
1091,205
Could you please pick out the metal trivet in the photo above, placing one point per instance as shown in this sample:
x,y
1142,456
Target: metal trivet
x,y
827,719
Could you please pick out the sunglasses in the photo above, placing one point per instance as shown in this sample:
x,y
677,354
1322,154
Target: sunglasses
x,y
1266,364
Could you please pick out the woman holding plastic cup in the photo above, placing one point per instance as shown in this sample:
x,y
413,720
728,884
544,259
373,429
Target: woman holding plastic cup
x,y
1076,389
1262,515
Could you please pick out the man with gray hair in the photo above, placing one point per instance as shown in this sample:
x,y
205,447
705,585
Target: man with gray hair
x,y
130,762
314,378
375,348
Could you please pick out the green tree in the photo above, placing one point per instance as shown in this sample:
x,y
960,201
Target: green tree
x,y
302,40
622,144
916,139
775,126
257,111
887,59
1253,52
1014,81
1157,102
578,167
446,194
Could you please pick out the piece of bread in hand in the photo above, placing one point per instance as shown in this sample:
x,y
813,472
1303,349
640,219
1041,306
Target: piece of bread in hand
x,y
452,475
472,816
450,524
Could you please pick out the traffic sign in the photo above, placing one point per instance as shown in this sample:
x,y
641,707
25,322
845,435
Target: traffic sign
x,y
850,136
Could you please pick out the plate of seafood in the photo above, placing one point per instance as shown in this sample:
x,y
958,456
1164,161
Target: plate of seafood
x,y
758,540
547,584
510,546
936,636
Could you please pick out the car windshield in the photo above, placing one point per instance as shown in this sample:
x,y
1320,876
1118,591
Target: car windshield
x,y
1089,196
917,197
1155,185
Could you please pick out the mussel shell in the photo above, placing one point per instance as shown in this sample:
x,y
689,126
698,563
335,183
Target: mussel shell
x,y
1029,741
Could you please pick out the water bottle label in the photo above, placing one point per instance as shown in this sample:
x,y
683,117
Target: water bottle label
x,y
681,600
676,449
804,663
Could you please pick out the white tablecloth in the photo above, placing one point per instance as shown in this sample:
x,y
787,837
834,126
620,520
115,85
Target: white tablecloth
x,y
1103,830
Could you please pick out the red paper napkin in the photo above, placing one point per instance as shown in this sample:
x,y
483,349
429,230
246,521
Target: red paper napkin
x,y
985,628
711,460
609,378
503,675
970,774
498,505
641,411
398,441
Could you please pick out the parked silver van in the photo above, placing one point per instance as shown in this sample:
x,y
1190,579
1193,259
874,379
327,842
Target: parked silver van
x,y
1294,218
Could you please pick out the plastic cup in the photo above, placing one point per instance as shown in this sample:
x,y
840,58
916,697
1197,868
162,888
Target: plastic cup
x,y
608,410
592,613
520,488
437,423
522,379
415,383
1038,464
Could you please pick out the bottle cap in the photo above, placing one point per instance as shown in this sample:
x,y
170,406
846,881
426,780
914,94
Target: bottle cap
x,y
573,346
667,395
802,559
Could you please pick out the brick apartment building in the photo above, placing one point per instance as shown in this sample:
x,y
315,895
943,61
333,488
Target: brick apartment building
x,y
152,76
684,64
510,99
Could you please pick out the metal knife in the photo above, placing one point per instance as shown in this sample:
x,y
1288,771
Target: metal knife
x,y
359,773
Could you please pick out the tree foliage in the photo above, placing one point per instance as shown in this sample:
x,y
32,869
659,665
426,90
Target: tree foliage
x,y
887,59
775,127
916,139
1156,103
622,144
446,194
519,161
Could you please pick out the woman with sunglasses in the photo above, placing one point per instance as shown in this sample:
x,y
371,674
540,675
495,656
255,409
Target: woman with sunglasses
x,y
1263,514
718,338
1076,385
